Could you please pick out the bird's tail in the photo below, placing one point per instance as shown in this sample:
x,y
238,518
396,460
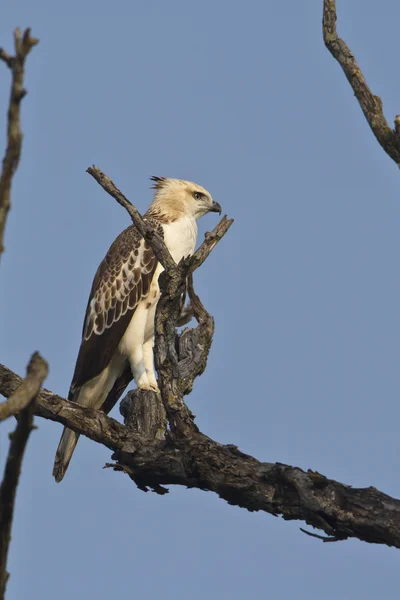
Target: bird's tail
x,y
65,449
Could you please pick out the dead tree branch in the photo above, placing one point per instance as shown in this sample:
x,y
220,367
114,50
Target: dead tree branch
x,y
371,105
22,398
196,461
21,401
157,244
23,45
36,373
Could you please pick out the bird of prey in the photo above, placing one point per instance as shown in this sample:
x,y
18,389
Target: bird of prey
x,y
118,330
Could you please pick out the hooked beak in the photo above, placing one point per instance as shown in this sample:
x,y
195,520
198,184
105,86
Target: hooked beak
x,y
215,207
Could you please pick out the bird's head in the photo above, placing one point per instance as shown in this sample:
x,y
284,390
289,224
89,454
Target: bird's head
x,y
177,198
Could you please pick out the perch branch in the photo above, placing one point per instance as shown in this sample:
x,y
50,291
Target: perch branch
x,y
371,105
173,287
196,461
23,45
22,398
92,423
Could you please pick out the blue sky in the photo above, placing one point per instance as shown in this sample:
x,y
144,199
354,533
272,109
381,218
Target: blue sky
x,y
305,288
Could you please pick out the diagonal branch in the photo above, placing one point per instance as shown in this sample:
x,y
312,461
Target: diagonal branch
x,y
23,397
23,45
371,105
196,461
92,423
159,248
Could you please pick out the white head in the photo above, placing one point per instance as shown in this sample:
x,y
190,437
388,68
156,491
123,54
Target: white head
x,y
175,198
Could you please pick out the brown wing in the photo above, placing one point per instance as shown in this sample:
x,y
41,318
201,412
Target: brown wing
x,y
118,389
122,280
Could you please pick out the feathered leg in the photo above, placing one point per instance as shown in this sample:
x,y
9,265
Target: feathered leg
x,y
148,360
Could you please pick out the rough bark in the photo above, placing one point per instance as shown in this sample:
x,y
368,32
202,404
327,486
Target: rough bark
x,y
16,63
25,393
371,105
144,413
21,401
196,461
36,373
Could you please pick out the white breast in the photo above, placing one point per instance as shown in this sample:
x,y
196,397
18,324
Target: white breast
x,y
180,237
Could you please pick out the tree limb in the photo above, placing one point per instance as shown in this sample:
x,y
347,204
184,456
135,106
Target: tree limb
x,y
30,386
23,397
196,461
159,248
371,105
23,45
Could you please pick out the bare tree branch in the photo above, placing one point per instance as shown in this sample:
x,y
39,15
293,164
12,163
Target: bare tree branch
x,y
36,373
22,397
21,402
23,45
194,343
92,423
196,461
173,286
159,248
371,105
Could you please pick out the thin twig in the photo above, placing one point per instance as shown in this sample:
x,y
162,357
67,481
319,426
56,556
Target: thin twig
x,y
36,373
371,105
160,249
198,310
186,315
23,45
211,240
324,538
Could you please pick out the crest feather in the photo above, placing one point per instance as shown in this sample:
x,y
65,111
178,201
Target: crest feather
x,y
159,182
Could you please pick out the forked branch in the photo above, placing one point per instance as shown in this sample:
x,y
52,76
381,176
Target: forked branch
x,y
371,105
23,45
22,399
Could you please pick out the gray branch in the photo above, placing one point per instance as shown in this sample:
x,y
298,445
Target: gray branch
x,y
197,461
371,105
23,45
23,396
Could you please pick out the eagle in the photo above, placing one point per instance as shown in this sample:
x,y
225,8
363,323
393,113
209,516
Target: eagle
x,y
118,330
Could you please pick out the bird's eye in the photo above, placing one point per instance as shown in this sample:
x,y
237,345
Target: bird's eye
x,y
198,195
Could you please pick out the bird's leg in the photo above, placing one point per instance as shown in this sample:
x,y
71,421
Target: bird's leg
x,y
136,361
148,359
